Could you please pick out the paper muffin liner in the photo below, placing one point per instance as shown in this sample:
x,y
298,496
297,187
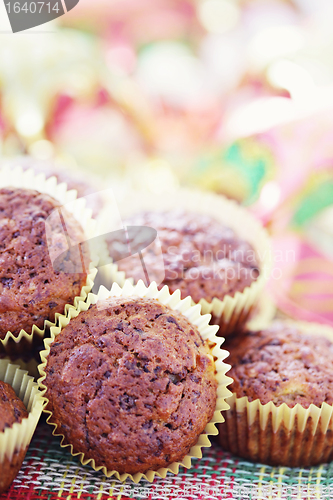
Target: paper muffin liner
x,y
263,314
232,312
18,345
30,365
208,332
280,435
16,439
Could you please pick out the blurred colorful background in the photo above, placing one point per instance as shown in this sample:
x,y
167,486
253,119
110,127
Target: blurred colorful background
x,y
232,96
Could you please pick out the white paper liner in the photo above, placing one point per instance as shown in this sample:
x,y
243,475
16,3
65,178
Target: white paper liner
x,y
208,332
231,313
28,179
18,436
280,435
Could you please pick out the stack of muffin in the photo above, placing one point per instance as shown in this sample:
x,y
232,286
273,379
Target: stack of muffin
x,y
134,377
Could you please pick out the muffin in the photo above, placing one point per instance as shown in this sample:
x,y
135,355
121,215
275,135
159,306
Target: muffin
x,y
208,247
202,257
34,287
282,403
85,185
131,384
12,410
21,405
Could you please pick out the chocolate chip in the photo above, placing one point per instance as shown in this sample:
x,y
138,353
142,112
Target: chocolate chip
x,y
170,319
196,395
148,425
7,282
17,414
159,447
127,402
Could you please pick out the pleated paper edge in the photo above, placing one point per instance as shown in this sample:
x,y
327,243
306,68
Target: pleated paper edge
x,y
207,332
229,213
250,411
28,179
18,436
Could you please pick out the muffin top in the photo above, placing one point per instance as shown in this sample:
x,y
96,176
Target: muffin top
x,y
202,257
12,408
131,384
283,365
85,185
32,289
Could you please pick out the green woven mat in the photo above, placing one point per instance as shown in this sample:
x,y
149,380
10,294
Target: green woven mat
x,y
218,475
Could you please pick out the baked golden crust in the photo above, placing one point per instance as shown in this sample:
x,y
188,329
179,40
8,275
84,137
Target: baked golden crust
x,y
283,365
131,384
202,257
31,289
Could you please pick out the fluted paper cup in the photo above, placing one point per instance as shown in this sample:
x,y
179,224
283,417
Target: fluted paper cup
x,y
14,441
280,435
207,332
25,342
231,313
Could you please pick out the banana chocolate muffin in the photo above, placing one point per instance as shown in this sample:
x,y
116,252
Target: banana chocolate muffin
x,y
131,384
283,365
32,287
12,410
202,257
85,185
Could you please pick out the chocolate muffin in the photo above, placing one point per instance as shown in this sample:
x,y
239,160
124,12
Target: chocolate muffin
x,y
131,384
85,185
283,365
32,288
202,257
281,409
12,410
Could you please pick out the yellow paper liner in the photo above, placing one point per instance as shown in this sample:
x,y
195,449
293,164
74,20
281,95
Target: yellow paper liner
x,y
28,179
208,332
231,313
30,366
16,438
280,435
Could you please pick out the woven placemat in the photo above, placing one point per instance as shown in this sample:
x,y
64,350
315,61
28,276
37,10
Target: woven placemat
x,y
50,472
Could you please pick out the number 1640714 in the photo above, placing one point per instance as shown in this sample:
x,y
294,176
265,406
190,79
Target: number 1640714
x,y
32,7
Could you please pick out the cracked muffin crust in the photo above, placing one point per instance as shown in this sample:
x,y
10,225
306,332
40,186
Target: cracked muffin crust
x,y
283,365
12,410
202,257
131,384
31,289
